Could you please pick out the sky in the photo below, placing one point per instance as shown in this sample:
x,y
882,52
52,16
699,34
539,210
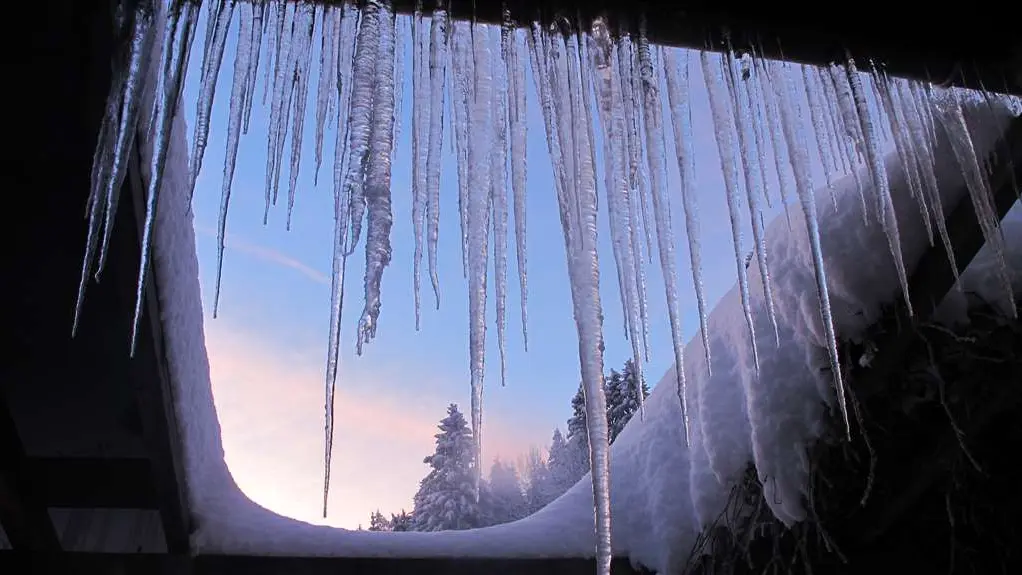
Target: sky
x,y
267,346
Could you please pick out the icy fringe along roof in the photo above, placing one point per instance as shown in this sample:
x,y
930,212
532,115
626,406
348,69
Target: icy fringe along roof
x,y
736,415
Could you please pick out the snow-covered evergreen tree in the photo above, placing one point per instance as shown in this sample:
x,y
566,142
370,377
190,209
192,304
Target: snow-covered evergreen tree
x,y
401,521
377,522
446,498
577,452
561,464
623,398
505,501
538,490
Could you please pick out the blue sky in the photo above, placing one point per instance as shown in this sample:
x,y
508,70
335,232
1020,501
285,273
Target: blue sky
x,y
268,345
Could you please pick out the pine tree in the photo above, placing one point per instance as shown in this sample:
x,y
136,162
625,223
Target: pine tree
x,y
377,522
447,497
505,501
538,489
561,465
401,522
578,440
623,398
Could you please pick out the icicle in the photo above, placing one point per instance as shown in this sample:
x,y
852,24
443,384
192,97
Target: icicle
x,y
576,194
878,172
462,69
178,36
952,118
819,123
420,143
378,169
239,87
679,98
921,147
616,186
125,114
477,217
212,58
363,74
656,158
259,21
517,119
785,179
632,105
339,266
437,75
282,81
757,109
498,192
327,80
839,92
901,135
723,129
277,17
794,135
303,62
753,185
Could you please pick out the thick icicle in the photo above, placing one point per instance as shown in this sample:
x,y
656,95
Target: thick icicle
x,y
794,135
628,62
476,211
839,93
212,58
239,88
577,207
952,118
517,120
819,122
878,172
498,191
656,156
178,36
327,83
420,142
724,133
125,114
753,182
378,170
438,32
785,181
363,74
303,64
676,68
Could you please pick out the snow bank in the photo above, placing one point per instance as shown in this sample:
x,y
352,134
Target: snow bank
x,y
663,493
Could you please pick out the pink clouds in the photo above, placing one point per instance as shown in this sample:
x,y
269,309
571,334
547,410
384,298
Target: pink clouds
x,y
269,400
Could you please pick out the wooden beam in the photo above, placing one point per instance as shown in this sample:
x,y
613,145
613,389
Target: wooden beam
x,y
24,517
91,482
153,564
151,380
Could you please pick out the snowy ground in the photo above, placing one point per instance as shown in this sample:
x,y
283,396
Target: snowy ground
x,y
662,492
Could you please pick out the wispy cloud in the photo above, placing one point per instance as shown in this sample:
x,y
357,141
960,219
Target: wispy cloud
x,y
269,401
266,254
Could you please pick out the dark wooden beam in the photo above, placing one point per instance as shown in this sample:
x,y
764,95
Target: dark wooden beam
x,y
933,277
974,48
152,564
91,482
23,515
151,383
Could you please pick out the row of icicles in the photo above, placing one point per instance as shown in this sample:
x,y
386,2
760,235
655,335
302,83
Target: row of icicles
x,y
477,73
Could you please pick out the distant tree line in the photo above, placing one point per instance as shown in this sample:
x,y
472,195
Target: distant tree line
x,y
447,498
